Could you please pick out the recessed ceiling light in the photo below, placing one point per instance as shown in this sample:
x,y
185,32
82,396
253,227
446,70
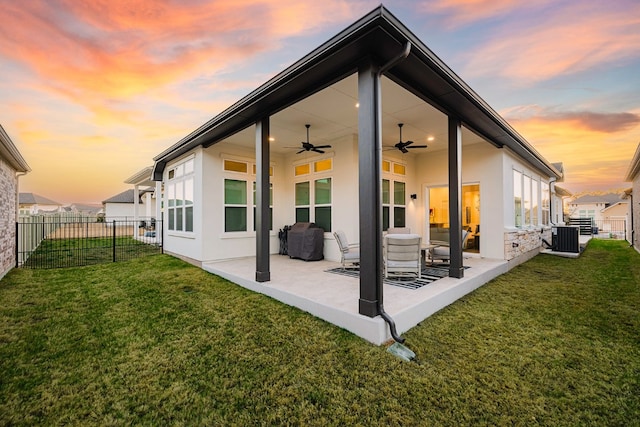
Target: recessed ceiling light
x,y
271,139
430,138
357,105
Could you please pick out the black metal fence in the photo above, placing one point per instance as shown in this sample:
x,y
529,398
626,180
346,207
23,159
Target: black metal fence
x,y
50,243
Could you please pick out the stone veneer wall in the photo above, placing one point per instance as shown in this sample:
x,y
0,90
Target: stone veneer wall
x,y
524,243
8,188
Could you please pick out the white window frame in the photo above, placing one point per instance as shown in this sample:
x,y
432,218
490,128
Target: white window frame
x,y
180,185
393,177
311,178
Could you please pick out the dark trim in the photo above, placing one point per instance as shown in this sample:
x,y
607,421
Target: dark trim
x,y
369,196
262,201
456,268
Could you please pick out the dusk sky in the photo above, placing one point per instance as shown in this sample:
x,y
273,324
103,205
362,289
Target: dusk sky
x,y
93,90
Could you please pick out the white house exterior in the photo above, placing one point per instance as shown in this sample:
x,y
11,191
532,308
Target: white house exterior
x,y
122,206
592,206
633,196
12,165
477,173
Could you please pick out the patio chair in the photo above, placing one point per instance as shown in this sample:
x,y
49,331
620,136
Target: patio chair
x,y
402,255
441,252
350,253
399,230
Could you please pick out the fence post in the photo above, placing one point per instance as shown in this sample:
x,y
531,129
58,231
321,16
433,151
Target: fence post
x,y
114,240
17,250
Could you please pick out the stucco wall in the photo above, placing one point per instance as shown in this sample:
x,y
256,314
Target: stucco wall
x,y
8,191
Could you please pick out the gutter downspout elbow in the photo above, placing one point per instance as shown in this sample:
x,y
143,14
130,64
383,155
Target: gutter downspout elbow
x,y
385,67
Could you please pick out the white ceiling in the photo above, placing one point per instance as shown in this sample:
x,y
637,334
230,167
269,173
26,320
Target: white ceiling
x,y
332,114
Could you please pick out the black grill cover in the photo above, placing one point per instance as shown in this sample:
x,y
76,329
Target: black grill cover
x,y
305,240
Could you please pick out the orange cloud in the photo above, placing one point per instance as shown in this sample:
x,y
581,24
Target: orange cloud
x,y
595,155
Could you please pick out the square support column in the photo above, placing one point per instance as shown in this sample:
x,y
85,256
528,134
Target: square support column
x,y
370,206
456,268
263,214
136,207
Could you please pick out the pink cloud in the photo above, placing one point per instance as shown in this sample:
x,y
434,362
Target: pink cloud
x,y
463,12
579,37
122,48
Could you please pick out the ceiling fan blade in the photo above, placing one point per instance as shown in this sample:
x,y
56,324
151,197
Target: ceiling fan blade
x,y
407,143
301,151
404,150
322,146
418,146
318,151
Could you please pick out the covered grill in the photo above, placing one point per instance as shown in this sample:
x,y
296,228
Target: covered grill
x,y
305,240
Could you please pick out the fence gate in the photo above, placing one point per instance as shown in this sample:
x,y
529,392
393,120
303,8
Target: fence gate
x,y
43,242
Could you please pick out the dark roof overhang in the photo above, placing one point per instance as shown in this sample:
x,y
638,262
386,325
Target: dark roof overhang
x,y
378,36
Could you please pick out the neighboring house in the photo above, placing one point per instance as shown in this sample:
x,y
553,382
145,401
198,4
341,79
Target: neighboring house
x,y
146,196
123,206
558,213
85,209
633,196
232,183
34,204
12,165
592,206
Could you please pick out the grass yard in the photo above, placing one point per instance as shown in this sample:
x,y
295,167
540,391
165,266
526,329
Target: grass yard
x,y
55,253
155,341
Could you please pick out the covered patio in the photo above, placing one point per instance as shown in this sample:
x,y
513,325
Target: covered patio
x,y
235,180
331,297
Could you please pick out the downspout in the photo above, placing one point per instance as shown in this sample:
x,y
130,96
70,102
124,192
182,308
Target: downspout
x,y
400,57
551,182
17,229
633,228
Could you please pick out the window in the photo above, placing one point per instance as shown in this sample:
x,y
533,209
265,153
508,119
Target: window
x,y
323,203
240,196
534,202
180,194
526,196
393,204
545,206
313,197
399,204
527,199
517,197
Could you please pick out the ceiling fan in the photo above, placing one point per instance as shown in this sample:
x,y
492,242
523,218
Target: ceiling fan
x,y
307,146
405,146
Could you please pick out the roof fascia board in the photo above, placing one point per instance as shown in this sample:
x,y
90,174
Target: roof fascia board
x,y
10,152
634,167
460,100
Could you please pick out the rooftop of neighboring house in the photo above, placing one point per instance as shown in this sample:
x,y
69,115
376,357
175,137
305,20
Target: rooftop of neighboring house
x,y
125,197
590,199
84,207
562,192
35,199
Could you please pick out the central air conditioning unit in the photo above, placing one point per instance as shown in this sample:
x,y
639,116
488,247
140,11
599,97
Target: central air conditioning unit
x,y
566,239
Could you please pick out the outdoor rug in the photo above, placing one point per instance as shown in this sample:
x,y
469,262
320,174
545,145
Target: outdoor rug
x,y
429,275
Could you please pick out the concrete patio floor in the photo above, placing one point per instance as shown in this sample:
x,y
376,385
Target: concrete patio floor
x,y
334,298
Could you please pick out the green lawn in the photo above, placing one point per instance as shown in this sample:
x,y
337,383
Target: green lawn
x,y
155,341
55,253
